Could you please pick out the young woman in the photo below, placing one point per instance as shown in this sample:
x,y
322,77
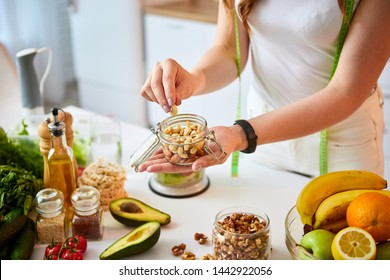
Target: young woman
x,y
292,45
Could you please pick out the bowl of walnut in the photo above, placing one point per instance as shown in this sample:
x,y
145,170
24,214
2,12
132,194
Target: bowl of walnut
x,y
241,233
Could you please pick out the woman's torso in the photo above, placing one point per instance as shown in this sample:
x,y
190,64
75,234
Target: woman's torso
x,y
293,43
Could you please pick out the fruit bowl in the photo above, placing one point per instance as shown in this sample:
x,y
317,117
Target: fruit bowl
x,y
294,233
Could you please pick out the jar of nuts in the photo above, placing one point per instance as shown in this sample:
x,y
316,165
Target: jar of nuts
x,y
183,138
241,233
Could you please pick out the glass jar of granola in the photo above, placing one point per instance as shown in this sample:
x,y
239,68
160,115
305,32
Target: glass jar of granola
x,y
241,233
50,222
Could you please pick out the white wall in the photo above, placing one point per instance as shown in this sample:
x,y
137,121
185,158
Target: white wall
x,y
108,55
36,24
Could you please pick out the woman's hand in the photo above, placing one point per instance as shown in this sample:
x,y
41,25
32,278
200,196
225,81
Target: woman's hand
x,y
169,83
229,138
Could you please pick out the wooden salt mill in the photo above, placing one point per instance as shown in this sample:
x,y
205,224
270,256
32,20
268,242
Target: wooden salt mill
x,y
45,142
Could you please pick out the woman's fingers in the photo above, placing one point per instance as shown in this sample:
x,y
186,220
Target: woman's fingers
x,y
169,74
147,92
160,86
157,86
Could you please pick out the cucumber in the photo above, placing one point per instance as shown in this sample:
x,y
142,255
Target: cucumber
x,y
135,242
12,224
5,251
24,241
13,214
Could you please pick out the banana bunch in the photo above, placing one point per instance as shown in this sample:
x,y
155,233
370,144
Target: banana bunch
x,y
323,202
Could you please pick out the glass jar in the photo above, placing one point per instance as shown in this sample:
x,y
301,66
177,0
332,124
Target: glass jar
x,y
241,233
87,218
50,222
183,138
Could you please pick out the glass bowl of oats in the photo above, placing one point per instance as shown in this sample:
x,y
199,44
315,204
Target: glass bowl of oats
x,y
241,233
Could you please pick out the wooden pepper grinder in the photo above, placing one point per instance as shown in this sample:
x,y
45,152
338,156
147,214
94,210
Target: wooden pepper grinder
x,y
45,142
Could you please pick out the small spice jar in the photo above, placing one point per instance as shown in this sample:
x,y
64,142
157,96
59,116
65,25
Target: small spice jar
x,y
241,233
50,222
87,219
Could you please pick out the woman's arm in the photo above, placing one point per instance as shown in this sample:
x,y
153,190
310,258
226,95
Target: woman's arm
x,y
218,65
364,55
169,83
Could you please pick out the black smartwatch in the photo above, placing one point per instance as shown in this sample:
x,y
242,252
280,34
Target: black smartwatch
x,y
251,136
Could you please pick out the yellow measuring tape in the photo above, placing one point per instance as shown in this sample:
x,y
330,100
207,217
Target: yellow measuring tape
x,y
236,154
343,34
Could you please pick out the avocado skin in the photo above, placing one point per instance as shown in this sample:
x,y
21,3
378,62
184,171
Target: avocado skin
x,y
134,247
149,213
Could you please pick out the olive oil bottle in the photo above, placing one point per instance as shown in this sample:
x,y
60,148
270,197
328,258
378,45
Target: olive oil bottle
x,y
60,163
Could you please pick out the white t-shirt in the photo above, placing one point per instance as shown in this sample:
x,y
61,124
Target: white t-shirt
x,y
293,44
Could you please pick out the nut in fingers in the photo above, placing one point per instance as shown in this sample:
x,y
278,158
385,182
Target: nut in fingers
x,y
173,111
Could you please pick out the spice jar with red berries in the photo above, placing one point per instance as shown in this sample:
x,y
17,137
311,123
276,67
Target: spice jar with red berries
x,y
87,219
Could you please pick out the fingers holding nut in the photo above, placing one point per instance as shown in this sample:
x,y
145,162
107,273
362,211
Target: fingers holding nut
x,y
174,110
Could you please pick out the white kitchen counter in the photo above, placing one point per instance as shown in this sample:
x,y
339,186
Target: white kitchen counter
x,y
272,191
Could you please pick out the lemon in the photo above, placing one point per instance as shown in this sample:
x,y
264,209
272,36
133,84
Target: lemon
x,y
353,243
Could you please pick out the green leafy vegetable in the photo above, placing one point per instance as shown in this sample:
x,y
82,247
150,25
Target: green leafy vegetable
x,y
23,130
18,188
22,153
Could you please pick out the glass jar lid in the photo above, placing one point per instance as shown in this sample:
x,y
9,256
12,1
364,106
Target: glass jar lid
x,y
49,201
86,199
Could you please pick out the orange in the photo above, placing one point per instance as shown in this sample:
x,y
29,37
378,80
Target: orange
x,y
371,211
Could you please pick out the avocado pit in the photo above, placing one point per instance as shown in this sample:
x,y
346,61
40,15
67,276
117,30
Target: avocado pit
x,y
133,212
130,207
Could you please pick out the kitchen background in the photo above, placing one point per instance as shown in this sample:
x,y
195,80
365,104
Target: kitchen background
x,y
103,51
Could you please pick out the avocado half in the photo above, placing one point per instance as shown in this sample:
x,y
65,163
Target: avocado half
x,y
132,212
137,241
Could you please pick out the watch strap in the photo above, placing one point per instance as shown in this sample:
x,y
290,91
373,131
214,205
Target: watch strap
x,y
251,136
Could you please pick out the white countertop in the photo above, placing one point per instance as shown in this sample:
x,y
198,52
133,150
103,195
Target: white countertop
x,y
272,191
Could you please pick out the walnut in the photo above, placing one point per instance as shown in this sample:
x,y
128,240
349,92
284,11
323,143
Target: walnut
x,y
178,249
188,256
207,257
201,238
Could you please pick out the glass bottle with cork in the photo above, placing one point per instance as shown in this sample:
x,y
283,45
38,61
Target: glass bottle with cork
x,y
61,164
45,142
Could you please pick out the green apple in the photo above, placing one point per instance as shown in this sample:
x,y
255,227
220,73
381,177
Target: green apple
x,y
318,242
383,251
